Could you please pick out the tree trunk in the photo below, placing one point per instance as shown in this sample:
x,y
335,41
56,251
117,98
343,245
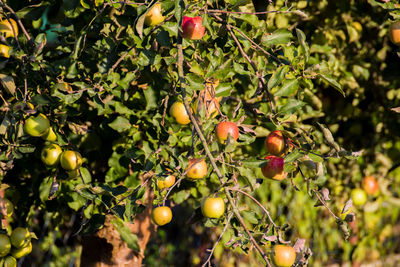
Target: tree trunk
x,y
106,248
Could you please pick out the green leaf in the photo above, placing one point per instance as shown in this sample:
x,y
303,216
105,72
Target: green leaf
x,y
281,36
302,40
126,235
248,175
253,163
278,76
223,89
44,188
330,80
86,176
291,106
120,124
293,156
250,216
289,88
181,196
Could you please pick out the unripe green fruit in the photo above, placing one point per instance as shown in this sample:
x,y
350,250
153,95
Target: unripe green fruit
x,y
51,154
5,245
71,160
20,237
37,126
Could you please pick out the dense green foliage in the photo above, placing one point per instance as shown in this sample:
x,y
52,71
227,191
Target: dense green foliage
x,y
322,72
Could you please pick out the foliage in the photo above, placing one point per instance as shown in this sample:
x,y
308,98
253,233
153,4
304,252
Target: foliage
x,y
322,72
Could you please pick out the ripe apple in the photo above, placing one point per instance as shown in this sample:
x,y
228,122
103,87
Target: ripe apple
x,y
284,256
192,28
370,185
5,245
6,29
161,215
37,126
213,207
70,160
225,128
166,183
154,15
359,196
50,136
275,143
394,33
51,154
4,51
23,251
274,168
178,111
20,237
197,169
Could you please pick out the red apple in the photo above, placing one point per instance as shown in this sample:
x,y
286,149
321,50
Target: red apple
x,y
223,129
370,185
274,168
192,28
275,143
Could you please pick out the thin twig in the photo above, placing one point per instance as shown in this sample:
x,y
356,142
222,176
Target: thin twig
x,y
218,240
257,202
261,79
18,20
325,205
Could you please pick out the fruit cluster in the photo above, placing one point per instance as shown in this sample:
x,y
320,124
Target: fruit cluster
x,y
277,145
14,243
14,246
52,154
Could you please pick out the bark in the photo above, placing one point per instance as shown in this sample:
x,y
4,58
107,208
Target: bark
x,y
105,248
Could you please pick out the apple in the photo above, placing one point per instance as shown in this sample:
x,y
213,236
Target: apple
x,y
274,168
4,51
37,126
10,261
275,143
8,27
197,169
178,111
50,136
358,196
166,183
370,185
213,207
394,33
223,129
192,28
5,245
154,15
20,237
161,215
51,154
284,256
70,160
